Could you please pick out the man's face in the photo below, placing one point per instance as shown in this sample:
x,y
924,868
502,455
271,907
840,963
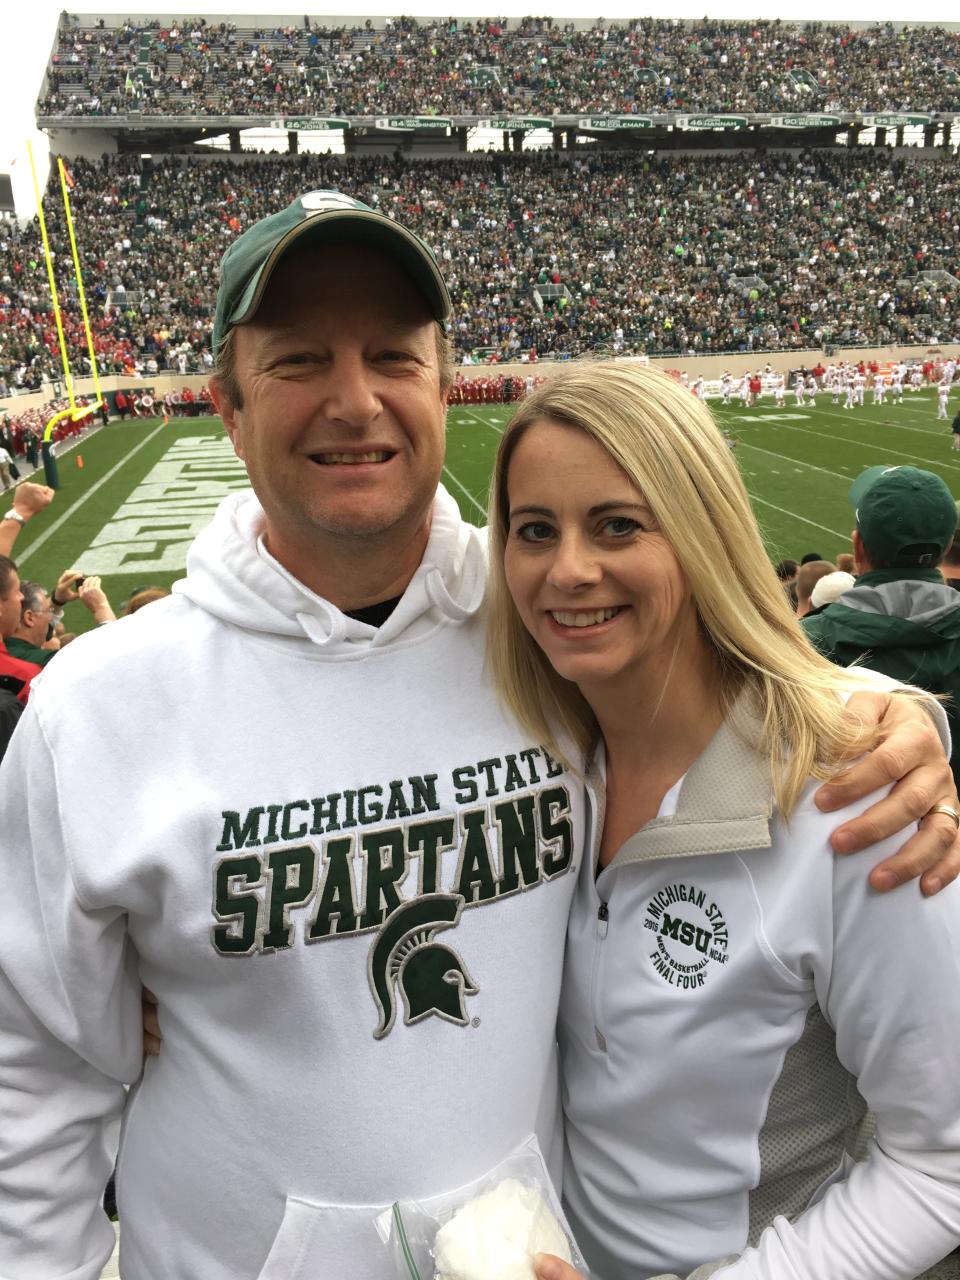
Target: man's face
x,y
35,623
342,428
10,604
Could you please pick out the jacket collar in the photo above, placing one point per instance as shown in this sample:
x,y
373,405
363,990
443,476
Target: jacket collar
x,y
725,801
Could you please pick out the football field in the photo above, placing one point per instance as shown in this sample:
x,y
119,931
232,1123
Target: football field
x,y
144,490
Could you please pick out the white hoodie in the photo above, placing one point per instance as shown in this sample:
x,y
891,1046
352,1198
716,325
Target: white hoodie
x,y
281,820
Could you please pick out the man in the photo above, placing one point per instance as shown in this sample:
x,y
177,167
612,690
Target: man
x,y
900,617
829,589
850,376
18,673
37,617
808,575
11,708
41,612
305,823
943,394
6,465
282,708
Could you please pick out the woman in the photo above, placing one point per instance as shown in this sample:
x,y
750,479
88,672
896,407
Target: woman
x,y
728,982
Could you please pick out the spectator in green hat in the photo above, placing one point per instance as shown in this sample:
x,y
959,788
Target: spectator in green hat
x,y
900,617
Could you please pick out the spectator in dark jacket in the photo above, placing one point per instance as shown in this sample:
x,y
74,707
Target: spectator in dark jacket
x,y
900,617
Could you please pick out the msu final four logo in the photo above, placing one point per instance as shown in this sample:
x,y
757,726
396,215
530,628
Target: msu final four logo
x,y
691,935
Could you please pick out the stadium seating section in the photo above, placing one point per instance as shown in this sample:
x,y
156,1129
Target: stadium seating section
x,y
453,68
558,253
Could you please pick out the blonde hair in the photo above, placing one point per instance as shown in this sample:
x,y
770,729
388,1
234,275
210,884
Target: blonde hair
x,y
667,442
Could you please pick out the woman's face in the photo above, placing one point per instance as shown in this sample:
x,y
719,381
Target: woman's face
x,y
594,580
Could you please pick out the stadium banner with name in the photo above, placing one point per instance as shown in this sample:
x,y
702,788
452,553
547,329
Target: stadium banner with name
x,y
310,124
805,122
609,124
510,124
711,122
406,124
894,120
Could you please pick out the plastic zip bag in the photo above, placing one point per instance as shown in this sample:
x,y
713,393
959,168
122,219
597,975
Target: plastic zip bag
x,y
488,1229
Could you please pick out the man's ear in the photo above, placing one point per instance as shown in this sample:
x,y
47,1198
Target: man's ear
x,y
859,552
229,413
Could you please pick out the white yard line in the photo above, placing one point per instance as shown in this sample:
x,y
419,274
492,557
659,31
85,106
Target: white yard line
x,y
839,475
484,422
466,492
23,556
866,444
793,515
865,416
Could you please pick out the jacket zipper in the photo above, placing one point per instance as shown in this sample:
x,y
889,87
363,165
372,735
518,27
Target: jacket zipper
x,y
603,923
596,805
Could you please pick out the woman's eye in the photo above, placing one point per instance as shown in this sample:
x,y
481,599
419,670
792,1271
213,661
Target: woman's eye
x,y
534,531
620,526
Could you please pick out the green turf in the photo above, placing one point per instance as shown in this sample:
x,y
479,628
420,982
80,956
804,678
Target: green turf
x,y
797,463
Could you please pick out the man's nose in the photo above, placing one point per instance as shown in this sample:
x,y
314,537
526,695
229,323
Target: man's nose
x,y
352,397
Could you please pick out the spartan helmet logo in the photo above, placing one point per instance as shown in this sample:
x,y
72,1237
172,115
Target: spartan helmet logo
x,y
432,977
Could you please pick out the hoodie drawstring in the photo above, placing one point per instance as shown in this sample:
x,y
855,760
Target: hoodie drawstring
x,y
441,598
314,629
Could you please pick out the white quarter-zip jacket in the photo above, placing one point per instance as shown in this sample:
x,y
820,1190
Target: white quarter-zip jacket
x,y
346,874
735,999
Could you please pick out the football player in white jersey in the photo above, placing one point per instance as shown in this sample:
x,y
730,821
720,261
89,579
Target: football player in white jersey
x,y
943,391
848,388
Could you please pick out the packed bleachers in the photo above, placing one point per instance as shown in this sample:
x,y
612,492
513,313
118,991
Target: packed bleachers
x,y
461,68
561,254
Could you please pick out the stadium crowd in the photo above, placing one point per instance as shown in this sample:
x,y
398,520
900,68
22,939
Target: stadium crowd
x,y
35,618
670,254
474,68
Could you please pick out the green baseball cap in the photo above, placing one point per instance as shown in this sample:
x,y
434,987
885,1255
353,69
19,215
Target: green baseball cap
x,y
901,511
248,264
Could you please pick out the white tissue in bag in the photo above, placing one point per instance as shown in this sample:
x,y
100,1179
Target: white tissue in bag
x,y
495,1235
